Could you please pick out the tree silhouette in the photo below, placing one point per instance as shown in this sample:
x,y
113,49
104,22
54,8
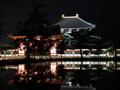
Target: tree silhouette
x,y
33,25
35,22
81,41
114,37
1,22
61,47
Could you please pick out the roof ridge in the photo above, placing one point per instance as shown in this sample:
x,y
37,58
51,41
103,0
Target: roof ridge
x,y
74,22
76,16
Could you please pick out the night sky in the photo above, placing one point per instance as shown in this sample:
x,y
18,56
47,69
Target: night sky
x,y
103,13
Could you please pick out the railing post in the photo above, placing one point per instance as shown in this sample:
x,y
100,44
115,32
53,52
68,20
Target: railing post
x,y
27,57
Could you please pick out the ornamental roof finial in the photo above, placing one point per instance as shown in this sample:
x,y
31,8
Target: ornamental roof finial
x,y
63,15
77,15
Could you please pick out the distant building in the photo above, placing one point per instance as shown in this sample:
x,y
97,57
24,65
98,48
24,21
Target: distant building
x,y
74,24
70,24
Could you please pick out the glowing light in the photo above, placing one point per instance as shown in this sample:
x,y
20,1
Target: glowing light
x,y
21,68
53,67
21,52
22,49
53,50
22,46
38,37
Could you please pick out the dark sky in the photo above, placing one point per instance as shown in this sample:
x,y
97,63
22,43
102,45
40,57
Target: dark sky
x,y
103,13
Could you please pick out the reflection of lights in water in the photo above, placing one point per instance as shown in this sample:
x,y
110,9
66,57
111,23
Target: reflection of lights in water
x,y
21,68
53,67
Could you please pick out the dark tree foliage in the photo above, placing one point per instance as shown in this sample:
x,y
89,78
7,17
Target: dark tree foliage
x,y
51,30
35,22
81,39
61,47
61,71
1,22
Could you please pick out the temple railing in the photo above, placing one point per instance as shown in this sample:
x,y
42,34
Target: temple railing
x,y
58,56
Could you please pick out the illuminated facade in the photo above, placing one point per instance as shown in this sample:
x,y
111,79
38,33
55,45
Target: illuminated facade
x,y
68,25
73,24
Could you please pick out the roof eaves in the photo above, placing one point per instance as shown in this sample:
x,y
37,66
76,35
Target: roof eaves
x,y
93,26
77,28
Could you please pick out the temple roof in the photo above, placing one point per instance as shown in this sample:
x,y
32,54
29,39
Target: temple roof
x,y
74,22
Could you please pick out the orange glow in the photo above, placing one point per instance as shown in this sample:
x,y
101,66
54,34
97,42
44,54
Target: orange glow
x,y
17,37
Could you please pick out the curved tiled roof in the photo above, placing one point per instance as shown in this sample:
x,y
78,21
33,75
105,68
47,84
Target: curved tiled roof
x,y
74,22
